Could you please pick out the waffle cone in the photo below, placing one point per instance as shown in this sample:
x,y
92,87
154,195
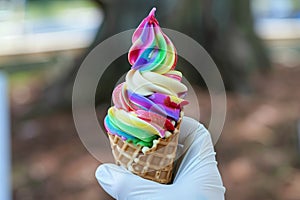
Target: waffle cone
x,y
156,164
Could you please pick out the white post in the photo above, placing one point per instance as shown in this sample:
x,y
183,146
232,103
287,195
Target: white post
x,y
5,157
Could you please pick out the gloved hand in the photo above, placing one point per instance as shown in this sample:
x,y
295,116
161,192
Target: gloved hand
x,y
197,177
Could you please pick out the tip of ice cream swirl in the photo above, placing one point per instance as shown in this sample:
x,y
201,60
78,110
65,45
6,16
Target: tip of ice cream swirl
x,y
153,58
152,50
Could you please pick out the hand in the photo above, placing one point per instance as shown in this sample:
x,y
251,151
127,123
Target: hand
x,y
197,176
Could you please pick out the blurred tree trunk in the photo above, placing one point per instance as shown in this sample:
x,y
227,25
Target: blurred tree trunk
x,y
224,28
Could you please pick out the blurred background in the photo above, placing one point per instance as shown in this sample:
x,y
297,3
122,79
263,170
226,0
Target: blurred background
x,y
255,44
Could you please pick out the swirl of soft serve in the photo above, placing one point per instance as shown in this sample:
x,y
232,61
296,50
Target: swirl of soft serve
x,y
148,104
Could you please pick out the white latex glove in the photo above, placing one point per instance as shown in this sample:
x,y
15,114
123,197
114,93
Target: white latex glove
x,y
197,178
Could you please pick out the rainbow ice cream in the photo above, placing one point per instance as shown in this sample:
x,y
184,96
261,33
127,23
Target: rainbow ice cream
x,y
148,105
143,125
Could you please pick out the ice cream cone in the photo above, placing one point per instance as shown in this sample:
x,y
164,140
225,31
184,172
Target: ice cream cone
x,y
143,124
155,164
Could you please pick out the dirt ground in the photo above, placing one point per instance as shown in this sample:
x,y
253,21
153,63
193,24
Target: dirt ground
x,y
258,151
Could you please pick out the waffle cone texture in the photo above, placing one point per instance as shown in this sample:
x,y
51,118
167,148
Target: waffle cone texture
x,y
155,164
